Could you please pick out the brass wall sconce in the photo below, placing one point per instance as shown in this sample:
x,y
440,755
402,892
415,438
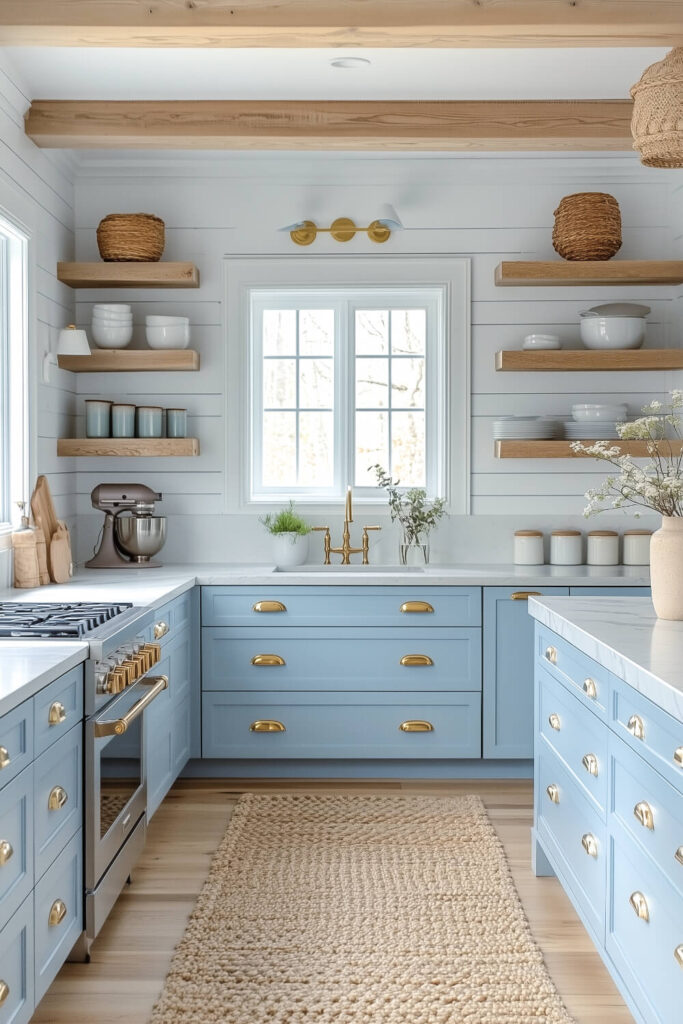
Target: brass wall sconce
x,y
343,229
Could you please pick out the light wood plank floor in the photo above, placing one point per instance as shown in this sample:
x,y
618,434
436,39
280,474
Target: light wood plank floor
x,y
132,954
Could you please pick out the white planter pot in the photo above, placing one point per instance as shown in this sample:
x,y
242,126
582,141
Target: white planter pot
x,y
666,568
289,549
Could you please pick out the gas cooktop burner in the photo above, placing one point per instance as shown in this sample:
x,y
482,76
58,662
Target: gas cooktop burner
x,y
54,621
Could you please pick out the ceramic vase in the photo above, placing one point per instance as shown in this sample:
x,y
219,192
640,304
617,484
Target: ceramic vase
x,y
666,568
289,549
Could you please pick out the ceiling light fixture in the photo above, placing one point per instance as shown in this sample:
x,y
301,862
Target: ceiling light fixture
x,y
350,62
343,229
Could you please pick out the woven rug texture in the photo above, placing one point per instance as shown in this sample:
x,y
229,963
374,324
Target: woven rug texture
x,y
346,909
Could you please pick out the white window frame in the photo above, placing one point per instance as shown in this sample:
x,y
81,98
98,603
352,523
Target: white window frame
x,y
14,348
450,406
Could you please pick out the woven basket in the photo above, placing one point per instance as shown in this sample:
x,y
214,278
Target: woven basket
x,y
587,226
130,237
657,121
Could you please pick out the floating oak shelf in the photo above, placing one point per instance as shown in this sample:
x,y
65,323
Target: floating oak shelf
x,y
562,449
128,275
590,359
121,360
559,272
129,447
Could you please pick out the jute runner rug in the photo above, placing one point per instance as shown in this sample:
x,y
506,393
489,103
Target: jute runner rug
x,y
349,909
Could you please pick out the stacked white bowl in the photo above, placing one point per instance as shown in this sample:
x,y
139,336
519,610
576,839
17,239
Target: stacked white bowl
x,y
595,421
112,325
167,331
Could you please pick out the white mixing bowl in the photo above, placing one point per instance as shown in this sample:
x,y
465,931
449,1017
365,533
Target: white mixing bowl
x,y
111,337
171,336
612,331
598,413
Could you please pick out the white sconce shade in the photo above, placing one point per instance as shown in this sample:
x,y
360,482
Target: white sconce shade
x,y
73,342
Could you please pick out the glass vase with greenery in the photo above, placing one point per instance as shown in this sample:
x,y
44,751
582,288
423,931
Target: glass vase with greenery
x,y
416,515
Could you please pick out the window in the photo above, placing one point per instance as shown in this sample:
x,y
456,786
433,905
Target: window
x,y
340,375
13,374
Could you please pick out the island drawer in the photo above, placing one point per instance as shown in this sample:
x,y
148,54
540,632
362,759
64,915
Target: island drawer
x,y
57,708
16,843
406,606
171,619
16,741
370,725
575,670
577,736
58,913
339,659
647,729
58,801
16,966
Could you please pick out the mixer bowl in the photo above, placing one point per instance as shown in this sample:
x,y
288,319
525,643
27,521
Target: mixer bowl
x,y
140,536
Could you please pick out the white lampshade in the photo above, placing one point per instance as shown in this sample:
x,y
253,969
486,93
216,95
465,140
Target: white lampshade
x,y
73,342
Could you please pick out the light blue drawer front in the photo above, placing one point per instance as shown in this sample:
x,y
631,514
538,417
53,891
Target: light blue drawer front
x,y
16,966
58,804
342,606
634,716
16,742
326,659
580,674
58,913
649,810
16,844
57,708
577,736
570,823
333,728
644,951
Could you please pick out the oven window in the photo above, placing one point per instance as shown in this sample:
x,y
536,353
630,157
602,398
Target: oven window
x,y
119,782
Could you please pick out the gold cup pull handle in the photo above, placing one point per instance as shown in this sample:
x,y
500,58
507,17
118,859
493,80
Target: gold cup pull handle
x,y
267,660
267,725
57,713
524,595
57,913
160,629
57,798
643,813
416,725
4,991
678,756
590,689
678,955
4,757
554,722
590,763
639,904
6,851
636,727
553,793
269,606
590,844
416,659
412,607
551,655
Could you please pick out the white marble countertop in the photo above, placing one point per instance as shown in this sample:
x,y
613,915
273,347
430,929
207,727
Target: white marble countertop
x,y
624,635
26,666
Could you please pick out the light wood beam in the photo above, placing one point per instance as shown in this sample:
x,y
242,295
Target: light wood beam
x,y
338,23
401,125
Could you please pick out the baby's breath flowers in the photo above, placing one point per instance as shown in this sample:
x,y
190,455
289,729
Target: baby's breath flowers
x,y
657,485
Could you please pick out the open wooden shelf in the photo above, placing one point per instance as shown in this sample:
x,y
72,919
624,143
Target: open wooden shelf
x,y
122,360
561,272
128,275
129,447
562,449
590,359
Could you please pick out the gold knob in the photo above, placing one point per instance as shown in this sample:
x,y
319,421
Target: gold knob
x,y
590,689
551,655
553,793
4,757
4,991
643,812
678,756
636,727
57,913
590,763
590,844
524,595
269,606
160,629
57,713
416,606
6,851
554,722
416,659
57,798
679,854
267,725
678,955
267,660
639,904
416,725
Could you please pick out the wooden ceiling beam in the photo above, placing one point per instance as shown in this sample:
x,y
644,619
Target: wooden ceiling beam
x,y
341,23
391,125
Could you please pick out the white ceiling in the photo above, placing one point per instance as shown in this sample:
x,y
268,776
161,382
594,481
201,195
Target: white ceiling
x,y
401,74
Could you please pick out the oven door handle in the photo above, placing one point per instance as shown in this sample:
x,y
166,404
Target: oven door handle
x,y
117,726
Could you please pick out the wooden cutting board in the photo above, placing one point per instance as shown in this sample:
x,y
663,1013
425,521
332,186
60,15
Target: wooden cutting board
x,y
44,514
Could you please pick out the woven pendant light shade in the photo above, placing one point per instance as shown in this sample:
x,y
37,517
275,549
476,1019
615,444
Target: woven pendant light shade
x,y
657,122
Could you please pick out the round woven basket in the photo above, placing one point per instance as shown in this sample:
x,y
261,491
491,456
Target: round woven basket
x,y
657,121
131,237
587,226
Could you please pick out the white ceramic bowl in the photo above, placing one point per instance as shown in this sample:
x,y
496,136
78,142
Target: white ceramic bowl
x,y
111,337
166,321
111,318
586,412
172,336
112,307
108,314
541,341
103,322
612,331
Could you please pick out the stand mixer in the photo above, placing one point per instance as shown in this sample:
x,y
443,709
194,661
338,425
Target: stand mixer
x,y
127,542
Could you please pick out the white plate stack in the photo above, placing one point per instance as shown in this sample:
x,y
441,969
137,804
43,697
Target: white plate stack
x,y
526,428
594,421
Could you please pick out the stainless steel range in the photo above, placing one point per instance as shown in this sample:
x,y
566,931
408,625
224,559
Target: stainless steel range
x,y
119,685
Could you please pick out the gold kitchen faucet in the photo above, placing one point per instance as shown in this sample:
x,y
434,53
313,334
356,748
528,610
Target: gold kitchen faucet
x,y
345,550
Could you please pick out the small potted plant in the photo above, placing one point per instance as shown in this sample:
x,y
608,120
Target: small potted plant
x,y
290,536
416,515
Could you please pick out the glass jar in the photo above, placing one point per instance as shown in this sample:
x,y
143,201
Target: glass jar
x,y
603,547
566,547
528,547
637,547
414,549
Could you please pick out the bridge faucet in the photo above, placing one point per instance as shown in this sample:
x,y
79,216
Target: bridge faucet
x,y
345,550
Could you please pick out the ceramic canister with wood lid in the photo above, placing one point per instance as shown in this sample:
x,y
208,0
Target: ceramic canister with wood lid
x,y
566,547
637,547
528,547
603,547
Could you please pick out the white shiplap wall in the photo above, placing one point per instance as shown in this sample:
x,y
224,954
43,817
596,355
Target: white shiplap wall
x,y
489,208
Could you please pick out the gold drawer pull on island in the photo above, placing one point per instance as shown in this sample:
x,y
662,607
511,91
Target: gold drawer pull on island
x,y
678,756
553,793
590,763
267,660
57,713
6,852
267,725
416,725
269,606
4,757
160,629
590,844
678,955
416,606
416,659
679,854
636,727
639,904
57,798
551,655
4,991
643,812
524,595
554,722
57,913
590,689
